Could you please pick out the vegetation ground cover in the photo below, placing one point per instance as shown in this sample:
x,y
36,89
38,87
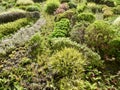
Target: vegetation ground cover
x,y
59,45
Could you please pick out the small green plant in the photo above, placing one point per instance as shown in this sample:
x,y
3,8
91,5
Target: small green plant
x,y
61,28
8,28
71,84
78,32
81,7
116,9
51,6
67,14
114,51
32,8
15,14
107,11
10,16
99,34
67,62
25,61
35,45
86,17
72,5
95,8
34,15
110,3
62,42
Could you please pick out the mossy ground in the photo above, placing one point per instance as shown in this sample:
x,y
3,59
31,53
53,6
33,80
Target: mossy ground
x,y
45,63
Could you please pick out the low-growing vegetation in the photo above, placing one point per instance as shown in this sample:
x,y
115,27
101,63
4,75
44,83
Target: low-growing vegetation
x,y
24,2
59,45
61,28
51,6
11,27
